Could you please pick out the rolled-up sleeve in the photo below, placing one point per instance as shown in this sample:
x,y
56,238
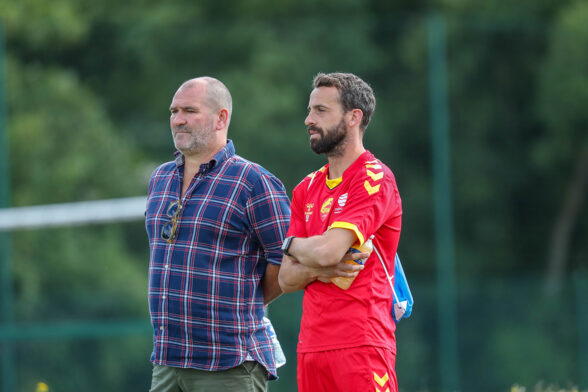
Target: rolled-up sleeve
x,y
269,213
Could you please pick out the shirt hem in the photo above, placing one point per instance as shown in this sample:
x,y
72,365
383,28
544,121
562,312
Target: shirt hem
x,y
270,376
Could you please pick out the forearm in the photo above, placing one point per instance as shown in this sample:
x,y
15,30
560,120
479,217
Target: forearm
x,y
271,293
269,284
325,250
294,276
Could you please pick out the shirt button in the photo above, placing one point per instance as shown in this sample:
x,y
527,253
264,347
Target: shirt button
x,y
166,266
161,328
163,296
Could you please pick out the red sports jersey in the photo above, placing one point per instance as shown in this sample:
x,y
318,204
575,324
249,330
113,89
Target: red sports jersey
x,y
365,200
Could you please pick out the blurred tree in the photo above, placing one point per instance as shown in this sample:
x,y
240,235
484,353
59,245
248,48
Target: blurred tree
x,y
561,153
64,148
89,84
35,25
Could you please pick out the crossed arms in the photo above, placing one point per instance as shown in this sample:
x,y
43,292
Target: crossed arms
x,y
319,257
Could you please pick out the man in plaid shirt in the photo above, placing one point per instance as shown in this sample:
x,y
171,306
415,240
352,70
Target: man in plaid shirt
x,y
215,223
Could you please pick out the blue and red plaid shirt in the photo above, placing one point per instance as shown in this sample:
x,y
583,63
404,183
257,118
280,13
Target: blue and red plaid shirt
x,y
205,296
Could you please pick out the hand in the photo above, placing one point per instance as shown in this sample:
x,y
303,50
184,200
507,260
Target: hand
x,y
345,268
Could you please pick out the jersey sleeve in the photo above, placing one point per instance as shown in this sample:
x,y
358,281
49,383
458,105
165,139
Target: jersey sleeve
x,y
371,202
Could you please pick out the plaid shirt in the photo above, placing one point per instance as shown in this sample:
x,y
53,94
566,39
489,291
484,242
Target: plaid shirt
x,y
205,296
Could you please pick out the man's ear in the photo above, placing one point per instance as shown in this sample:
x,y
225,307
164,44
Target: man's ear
x,y
355,117
222,120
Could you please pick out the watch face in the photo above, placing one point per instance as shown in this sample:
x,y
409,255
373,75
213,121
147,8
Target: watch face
x,y
286,246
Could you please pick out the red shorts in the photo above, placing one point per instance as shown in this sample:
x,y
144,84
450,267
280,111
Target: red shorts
x,y
365,368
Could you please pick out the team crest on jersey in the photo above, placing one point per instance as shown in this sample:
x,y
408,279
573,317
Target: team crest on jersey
x,y
326,208
341,203
308,211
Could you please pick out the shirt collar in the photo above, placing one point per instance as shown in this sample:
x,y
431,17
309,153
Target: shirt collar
x,y
225,153
360,160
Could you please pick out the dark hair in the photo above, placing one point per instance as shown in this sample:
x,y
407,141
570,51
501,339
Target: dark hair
x,y
354,93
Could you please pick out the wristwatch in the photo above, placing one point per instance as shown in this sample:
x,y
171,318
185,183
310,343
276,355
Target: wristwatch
x,y
286,245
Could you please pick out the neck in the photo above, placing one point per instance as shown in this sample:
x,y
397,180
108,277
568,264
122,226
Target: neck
x,y
192,164
193,160
339,163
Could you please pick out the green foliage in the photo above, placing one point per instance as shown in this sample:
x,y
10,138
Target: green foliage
x,y
37,23
88,85
63,144
563,90
115,363
545,387
87,271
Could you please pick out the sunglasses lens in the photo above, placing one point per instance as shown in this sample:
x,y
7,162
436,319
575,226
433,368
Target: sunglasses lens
x,y
173,209
166,231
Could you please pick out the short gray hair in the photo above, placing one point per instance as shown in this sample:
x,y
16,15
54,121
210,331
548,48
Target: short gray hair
x,y
217,94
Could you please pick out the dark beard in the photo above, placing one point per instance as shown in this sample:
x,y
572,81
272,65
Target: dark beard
x,y
330,142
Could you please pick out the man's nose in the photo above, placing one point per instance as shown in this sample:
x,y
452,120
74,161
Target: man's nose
x,y
178,119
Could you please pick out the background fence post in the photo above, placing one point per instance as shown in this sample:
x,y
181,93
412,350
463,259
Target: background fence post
x,y
581,286
446,292
7,350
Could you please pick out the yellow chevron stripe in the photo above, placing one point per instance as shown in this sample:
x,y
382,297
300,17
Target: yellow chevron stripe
x,y
387,390
322,169
381,380
371,189
374,166
375,176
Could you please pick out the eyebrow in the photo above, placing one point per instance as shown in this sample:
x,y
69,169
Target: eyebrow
x,y
317,106
187,107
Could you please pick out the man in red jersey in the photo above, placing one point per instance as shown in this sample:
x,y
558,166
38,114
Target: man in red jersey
x,y
346,340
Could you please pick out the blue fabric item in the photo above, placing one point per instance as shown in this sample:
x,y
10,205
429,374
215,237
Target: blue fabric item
x,y
403,301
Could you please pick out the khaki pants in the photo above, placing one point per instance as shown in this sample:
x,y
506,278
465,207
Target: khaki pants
x,y
250,376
